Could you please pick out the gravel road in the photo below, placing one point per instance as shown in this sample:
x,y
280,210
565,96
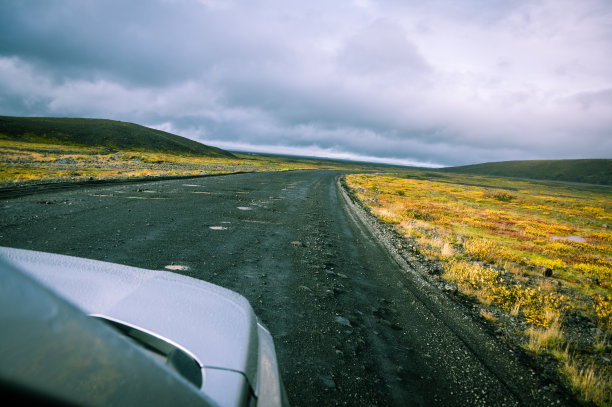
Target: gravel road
x,y
353,322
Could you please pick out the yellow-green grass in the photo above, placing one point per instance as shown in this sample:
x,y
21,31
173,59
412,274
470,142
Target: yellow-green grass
x,y
26,162
535,250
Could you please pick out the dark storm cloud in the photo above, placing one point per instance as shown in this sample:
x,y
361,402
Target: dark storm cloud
x,y
152,43
437,83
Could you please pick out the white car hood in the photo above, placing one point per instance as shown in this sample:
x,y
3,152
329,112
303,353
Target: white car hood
x,y
216,325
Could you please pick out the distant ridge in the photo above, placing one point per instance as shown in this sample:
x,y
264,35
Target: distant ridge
x,y
115,135
592,171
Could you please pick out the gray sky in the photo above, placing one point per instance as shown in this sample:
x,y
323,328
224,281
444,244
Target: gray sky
x,y
439,82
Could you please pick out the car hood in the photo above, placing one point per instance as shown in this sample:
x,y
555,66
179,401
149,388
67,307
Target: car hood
x,y
216,325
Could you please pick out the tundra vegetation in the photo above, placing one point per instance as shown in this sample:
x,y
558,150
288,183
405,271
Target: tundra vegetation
x,y
23,162
536,256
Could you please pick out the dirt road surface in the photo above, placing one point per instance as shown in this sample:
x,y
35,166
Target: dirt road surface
x,y
353,322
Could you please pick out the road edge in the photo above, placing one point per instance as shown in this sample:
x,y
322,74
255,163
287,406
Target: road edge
x,y
19,190
527,383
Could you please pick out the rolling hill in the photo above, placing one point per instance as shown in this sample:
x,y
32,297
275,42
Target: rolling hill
x,y
592,171
113,134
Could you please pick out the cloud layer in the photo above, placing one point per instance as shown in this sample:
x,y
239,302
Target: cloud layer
x,y
422,83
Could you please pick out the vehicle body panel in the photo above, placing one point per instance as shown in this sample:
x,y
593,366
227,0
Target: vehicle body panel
x,y
215,325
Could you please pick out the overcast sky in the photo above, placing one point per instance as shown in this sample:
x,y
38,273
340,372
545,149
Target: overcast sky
x,y
436,83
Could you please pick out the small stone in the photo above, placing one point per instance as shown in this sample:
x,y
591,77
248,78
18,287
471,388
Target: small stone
x,y
338,290
327,381
343,321
304,288
297,243
545,271
450,288
596,332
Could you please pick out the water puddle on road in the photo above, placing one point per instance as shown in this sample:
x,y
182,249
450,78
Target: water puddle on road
x,y
245,208
143,197
176,267
217,227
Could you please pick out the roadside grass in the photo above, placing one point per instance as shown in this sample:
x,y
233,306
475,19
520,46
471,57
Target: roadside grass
x,y
538,252
29,162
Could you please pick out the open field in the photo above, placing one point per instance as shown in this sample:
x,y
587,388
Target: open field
x,y
592,171
27,162
536,256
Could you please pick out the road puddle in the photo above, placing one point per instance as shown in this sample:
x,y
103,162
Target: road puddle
x,y
176,267
245,208
217,227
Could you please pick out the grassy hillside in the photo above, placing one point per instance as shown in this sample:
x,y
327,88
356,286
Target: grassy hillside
x,y
595,171
114,135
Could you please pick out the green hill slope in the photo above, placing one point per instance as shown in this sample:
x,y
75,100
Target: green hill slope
x,y
593,171
101,132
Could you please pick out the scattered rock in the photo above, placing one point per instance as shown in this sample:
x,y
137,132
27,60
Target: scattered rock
x,y
327,381
391,325
450,288
67,160
304,288
597,333
545,271
343,321
435,270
